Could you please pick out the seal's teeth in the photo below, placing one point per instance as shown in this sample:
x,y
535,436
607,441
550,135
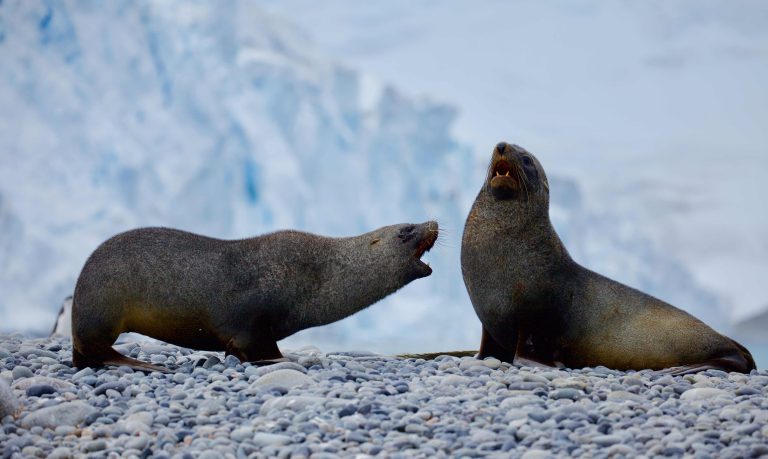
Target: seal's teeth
x,y
507,174
497,173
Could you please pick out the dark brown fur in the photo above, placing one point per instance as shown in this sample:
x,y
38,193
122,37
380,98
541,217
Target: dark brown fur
x,y
536,303
235,296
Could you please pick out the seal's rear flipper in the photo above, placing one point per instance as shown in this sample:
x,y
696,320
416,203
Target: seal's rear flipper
x,y
740,360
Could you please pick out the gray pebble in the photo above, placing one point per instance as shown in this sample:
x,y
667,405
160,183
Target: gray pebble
x,y
571,394
61,452
21,371
38,390
67,413
95,445
9,404
284,378
268,439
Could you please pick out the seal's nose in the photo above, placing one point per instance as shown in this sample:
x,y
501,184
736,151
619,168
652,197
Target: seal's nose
x,y
500,147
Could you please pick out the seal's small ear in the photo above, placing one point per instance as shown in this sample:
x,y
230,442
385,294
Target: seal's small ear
x,y
375,241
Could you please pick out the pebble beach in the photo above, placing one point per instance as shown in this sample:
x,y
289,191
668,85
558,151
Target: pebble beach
x,y
325,405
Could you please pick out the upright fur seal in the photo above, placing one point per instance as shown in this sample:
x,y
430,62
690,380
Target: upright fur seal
x,y
238,296
536,303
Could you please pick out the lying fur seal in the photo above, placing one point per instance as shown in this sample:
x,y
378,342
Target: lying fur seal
x,y
238,296
536,303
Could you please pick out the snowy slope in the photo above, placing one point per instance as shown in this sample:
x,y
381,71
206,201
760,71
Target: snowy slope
x,y
223,120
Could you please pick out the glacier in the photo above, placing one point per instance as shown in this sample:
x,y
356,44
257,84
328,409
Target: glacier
x,y
224,120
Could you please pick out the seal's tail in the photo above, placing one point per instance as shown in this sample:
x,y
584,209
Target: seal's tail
x,y
434,355
109,356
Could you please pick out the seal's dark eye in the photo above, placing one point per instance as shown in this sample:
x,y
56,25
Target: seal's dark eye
x,y
527,161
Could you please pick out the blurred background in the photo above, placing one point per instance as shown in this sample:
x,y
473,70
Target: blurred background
x,y
237,118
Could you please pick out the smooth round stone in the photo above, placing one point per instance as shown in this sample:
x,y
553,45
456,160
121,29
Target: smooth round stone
x,y
284,378
95,445
308,361
347,411
571,394
40,389
143,417
455,380
27,352
606,440
620,451
61,452
492,363
58,384
261,371
520,401
9,404
211,362
704,393
208,454
568,383
67,413
20,371
294,403
241,434
537,454
269,439
469,362
63,431
231,361
746,390
113,385
623,396
139,443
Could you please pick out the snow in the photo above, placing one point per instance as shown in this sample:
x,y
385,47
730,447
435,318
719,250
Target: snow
x,y
232,122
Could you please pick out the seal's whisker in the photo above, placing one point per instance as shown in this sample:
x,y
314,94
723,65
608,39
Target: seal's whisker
x,y
521,177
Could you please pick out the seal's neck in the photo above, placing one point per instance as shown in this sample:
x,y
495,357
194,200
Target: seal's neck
x,y
520,229
353,277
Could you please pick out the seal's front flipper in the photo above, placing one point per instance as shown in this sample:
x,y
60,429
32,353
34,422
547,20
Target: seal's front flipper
x,y
263,363
109,356
489,347
254,348
526,362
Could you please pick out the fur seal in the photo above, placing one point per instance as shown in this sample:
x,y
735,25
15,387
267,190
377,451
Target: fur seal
x,y
238,296
536,303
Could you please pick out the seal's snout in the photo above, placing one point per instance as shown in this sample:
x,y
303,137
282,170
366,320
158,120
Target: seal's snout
x,y
500,147
504,179
424,236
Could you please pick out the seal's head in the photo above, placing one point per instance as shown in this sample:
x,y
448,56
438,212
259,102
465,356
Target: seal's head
x,y
515,174
403,246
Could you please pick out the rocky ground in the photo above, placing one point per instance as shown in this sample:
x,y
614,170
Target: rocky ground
x,y
330,405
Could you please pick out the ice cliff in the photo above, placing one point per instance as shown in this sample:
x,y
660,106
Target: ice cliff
x,y
220,119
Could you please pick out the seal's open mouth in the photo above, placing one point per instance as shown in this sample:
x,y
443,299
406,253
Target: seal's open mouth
x,y
503,175
504,180
424,246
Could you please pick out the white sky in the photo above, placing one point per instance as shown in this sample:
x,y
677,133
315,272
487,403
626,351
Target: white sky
x,y
659,108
